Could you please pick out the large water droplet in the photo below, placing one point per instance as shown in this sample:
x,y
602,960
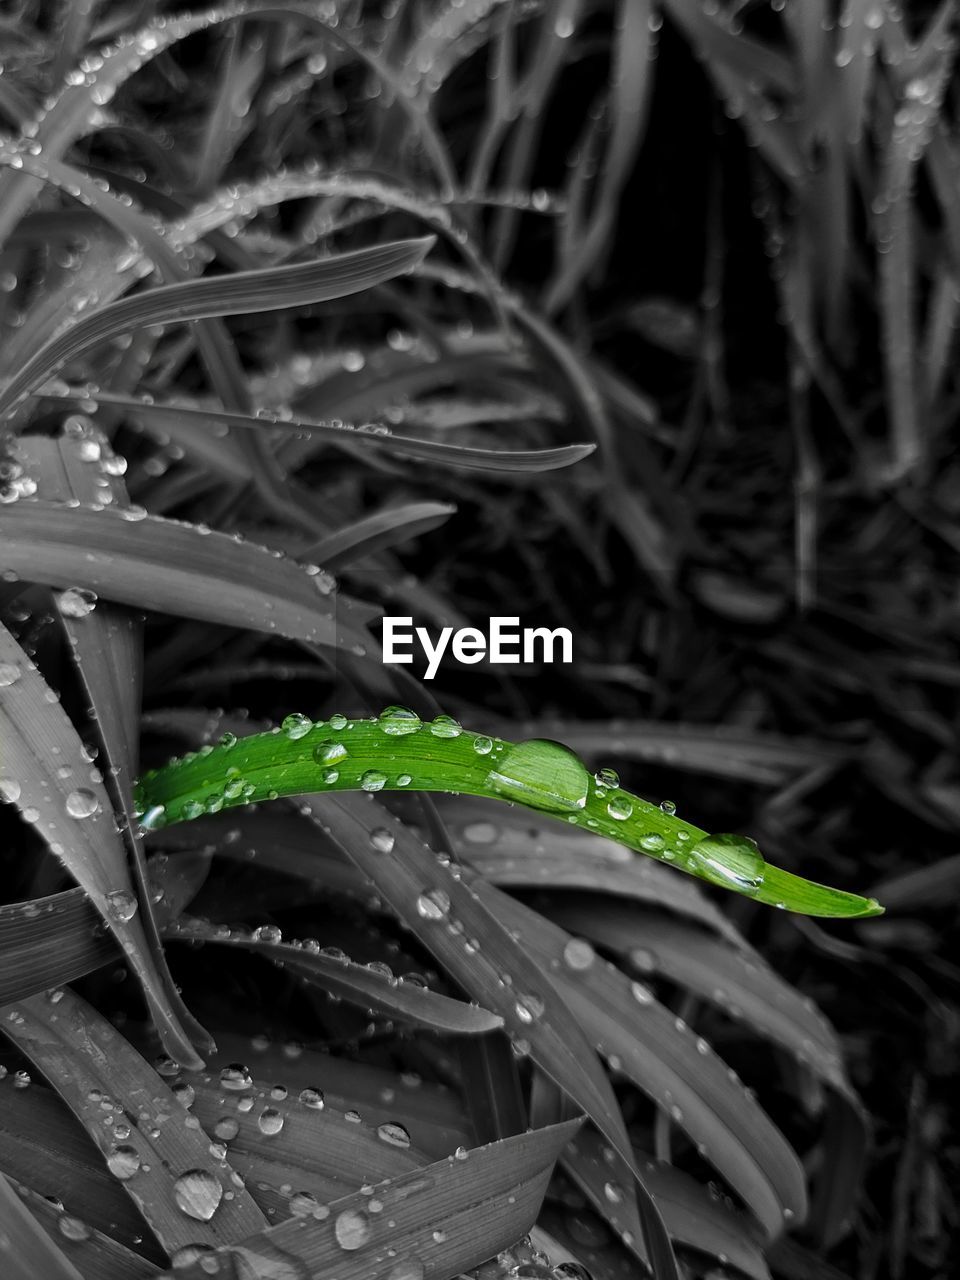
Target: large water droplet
x,y
82,803
620,807
433,905
9,790
270,1121
328,754
312,1098
730,860
124,1162
296,725
394,1134
373,780
543,774
76,602
445,727
121,905
579,954
352,1229
398,721
235,1078
382,840
198,1194
9,674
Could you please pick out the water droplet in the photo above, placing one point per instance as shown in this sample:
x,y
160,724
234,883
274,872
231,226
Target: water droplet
x,y
613,1193
620,807
398,721
480,832
312,1098
337,721
82,803
235,1078
328,754
545,775
641,993
198,1194
730,860
652,841
267,933
304,1205
643,960
528,1008
72,1228
9,674
352,1229
270,1121
373,780
382,840
226,1128
124,1162
433,905
445,727
607,779
394,1134
579,954
121,905
76,602
668,807
296,725
408,1269
483,745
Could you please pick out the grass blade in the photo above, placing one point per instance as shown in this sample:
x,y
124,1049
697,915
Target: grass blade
x,y
27,1250
540,775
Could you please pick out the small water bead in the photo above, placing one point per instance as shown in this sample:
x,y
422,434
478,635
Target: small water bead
x,y
373,780
613,1192
82,803
394,1134
542,774
312,1098
76,602
579,954
404,779
192,809
732,861
382,840
296,725
337,721
236,1078
528,1008
641,993
607,779
270,1121
668,807
226,1128
643,960
124,1162
9,674
620,807
328,754
652,841
398,721
433,905
122,905
267,933
198,1194
352,1229
483,745
445,727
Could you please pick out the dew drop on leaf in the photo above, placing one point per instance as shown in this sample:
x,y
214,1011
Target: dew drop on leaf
x,y
382,840
270,1121
124,1162
408,1269
398,721
312,1098
82,803
373,780
121,905
545,775
328,754
72,1228
394,1134
198,1194
732,861
9,674
433,905
9,790
352,1229
483,745
579,954
76,602
235,1078
296,725
445,727
620,807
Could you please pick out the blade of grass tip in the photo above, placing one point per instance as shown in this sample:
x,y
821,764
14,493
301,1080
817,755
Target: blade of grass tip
x,y
149,562
96,1256
441,1220
519,461
378,992
160,1154
26,1249
397,751
239,293
48,775
106,645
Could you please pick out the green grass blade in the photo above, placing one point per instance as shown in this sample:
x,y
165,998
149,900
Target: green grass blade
x,y
341,755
